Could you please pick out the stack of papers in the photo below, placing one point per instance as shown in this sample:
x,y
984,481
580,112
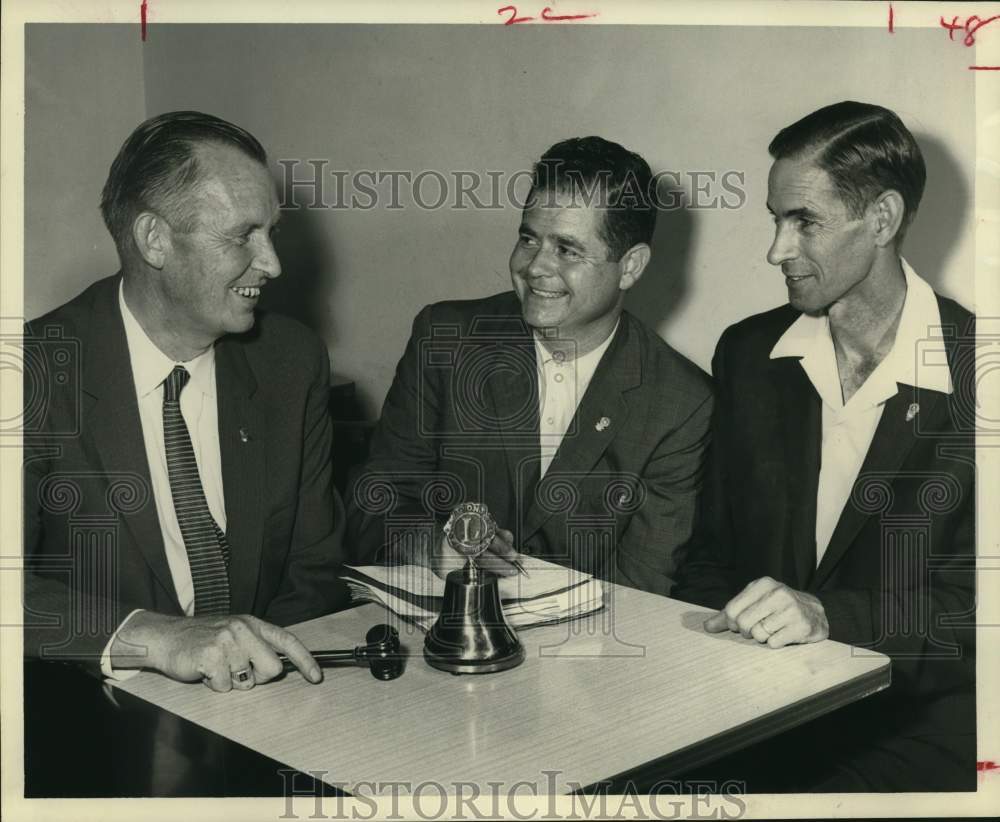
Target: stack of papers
x,y
549,593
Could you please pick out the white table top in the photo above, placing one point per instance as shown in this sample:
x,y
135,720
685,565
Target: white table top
x,y
633,683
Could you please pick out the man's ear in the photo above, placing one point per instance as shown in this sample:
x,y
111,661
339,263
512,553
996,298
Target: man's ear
x,y
152,237
887,214
632,264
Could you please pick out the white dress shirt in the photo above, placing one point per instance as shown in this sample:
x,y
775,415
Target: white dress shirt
x,y
150,367
562,382
916,358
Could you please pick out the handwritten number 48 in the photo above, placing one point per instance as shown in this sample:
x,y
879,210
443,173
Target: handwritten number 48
x,y
970,27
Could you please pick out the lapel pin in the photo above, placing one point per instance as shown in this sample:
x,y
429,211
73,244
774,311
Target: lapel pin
x,y
244,435
602,424
912,411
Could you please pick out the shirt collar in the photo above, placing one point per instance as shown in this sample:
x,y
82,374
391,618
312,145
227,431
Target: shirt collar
x,y
588,360
917,356
150,366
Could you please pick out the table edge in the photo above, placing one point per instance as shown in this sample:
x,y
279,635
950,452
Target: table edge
x,y
771,724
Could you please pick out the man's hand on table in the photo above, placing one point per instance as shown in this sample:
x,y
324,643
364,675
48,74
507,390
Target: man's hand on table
x,y
499,558
214,649
772,613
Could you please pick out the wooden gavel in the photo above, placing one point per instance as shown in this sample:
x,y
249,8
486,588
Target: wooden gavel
x,y
381,652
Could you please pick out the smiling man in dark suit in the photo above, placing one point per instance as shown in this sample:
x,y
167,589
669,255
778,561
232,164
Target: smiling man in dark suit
x,y
841,498
179,505
581,430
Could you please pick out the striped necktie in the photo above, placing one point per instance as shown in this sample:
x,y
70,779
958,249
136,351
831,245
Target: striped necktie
x,y
207,549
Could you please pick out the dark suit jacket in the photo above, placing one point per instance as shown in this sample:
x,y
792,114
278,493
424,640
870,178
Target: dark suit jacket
x,y
93,546
460,423
898,574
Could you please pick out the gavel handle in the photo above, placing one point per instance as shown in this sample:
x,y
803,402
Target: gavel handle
x,y
325,659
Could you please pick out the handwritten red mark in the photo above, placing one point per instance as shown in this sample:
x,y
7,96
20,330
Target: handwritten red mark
x,y
513,16
142,18
970,27
547,16
989,765
892,17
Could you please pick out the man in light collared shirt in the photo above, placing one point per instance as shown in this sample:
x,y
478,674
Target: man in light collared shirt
x,y
179,504
841,502
581,430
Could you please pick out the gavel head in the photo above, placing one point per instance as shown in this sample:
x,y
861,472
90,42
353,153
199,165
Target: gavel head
x,y
383,652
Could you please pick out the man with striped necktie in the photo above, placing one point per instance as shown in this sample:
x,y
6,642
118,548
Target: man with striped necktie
x,y
179,503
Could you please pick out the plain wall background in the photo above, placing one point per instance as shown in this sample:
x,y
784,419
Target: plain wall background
x,y
483,98
83,91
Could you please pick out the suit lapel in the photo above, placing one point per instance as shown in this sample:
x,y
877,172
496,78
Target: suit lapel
x,y
619,370
801,433
111,416
894,438
513,389
242,449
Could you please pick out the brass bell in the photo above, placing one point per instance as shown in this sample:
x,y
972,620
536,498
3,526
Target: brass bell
x,y
471,634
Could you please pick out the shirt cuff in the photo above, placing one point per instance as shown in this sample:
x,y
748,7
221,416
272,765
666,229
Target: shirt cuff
x,y
106,670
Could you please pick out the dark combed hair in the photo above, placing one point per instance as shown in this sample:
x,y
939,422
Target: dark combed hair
x,y
864,148
607,175
157,165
